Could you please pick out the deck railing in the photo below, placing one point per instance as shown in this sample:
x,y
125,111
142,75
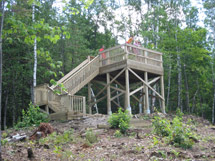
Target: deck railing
x,y
79,79
131,52
78,104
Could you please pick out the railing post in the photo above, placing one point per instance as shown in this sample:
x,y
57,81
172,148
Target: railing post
x,y
72,105
84,105
126,51
146,56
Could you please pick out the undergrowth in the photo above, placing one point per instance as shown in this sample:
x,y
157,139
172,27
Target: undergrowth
x,y
176,132
33,116
120,120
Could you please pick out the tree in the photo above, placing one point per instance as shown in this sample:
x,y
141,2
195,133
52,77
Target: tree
x,y
2,10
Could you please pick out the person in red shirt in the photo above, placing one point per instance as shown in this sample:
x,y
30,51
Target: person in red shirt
x,y
103,55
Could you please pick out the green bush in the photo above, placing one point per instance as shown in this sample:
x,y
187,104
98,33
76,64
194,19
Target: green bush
x,y
33,116
91,136
120,120
179,113
161,126
180,134
117,134
177,133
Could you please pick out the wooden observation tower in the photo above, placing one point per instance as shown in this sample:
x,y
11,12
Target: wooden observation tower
x,y
126,71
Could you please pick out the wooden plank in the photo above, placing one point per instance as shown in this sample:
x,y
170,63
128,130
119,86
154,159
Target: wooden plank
x,y
71,73
146,84
145,49
109,112
116,96
145,67
58,116
127,94
89,97
112,87
154,80
136,90
111,82
146,94
113,67
162,93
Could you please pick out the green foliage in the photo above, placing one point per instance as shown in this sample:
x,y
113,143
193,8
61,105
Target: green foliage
x,y
58,140
181,134
118,134
161,126
177,134
179,113
33,116
3,142
91,136
120,120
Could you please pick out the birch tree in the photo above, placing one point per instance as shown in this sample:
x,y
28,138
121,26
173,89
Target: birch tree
x,y
2,7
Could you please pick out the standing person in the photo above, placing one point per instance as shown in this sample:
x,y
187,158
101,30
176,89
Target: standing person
x,y
135,49
103,55
129,42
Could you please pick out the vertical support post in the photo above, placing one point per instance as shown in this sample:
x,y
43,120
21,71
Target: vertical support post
x,y
47,109
146,94
84,105
89,98
162,94
109,112
127,92
72,103
146,57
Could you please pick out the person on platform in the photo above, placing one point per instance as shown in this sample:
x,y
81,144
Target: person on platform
x,y
103,55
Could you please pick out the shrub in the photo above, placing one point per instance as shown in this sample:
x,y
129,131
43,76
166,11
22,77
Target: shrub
x,y
117,134
91,136
179,113
120,120
161,126
180,134
33,116
177,133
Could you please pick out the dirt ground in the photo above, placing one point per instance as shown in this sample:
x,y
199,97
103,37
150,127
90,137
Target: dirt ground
x,y
138,145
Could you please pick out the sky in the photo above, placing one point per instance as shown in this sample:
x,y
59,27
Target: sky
x,y
124,11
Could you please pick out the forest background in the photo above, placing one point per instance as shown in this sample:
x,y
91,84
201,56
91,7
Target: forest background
x,y
41,43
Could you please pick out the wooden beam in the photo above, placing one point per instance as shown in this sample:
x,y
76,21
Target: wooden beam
x,y
110,82
116,96
102,83
98,100
109,112
154,80
162,93
89,97
136,90
127,93
146,95
146,84
122,87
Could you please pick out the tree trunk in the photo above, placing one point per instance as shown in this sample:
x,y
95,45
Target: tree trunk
x,y
1,30
187,90
194,97
213,108
5,110
35,56
179,77
169,86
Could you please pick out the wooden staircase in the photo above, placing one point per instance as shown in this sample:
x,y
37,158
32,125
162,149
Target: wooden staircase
x,y
68,102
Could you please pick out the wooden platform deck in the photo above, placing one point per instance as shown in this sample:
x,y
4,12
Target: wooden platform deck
x,y
123,65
